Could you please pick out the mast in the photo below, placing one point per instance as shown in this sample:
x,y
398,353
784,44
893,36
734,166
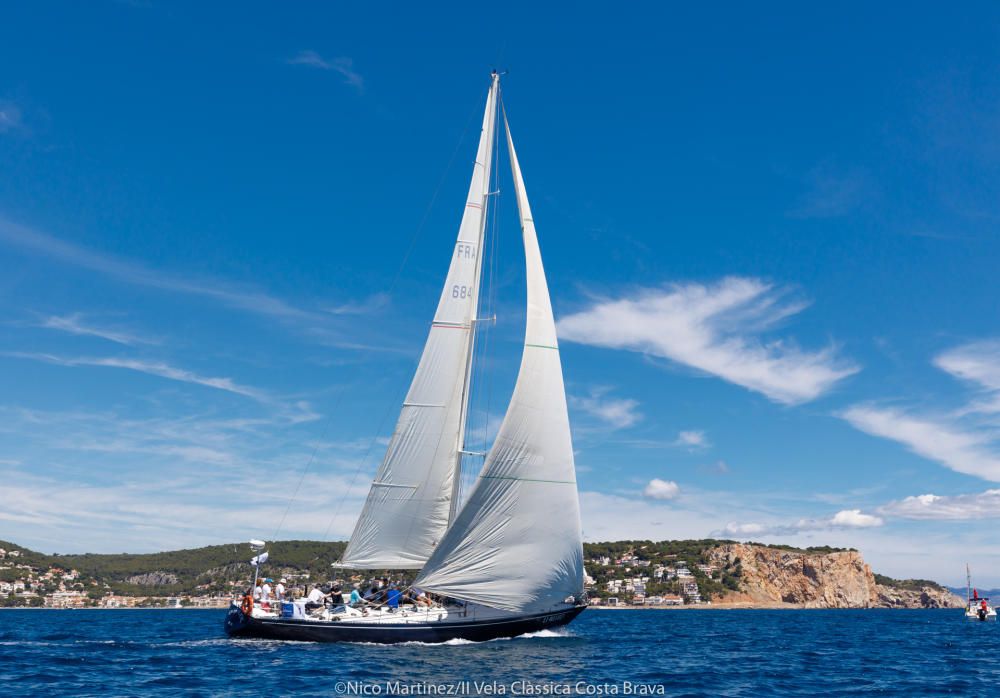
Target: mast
x,y
516,544
474,323
409,505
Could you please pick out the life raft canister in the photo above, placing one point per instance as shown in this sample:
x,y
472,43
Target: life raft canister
x,y
247,606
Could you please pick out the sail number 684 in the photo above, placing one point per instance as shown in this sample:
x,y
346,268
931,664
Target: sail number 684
x,y
459,291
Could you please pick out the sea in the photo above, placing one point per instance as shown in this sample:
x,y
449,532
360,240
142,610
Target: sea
x,y
603,653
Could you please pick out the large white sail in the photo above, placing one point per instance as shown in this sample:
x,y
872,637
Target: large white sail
x,y
516,544
408,506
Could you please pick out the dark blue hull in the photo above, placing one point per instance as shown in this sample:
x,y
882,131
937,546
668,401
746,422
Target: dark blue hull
x,y
240,625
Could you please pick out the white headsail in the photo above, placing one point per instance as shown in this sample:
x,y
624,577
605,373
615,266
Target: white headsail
x,y
516,544
408,506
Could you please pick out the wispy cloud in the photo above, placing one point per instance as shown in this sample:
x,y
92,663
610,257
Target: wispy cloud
x,y
75,324
618,413
341,64
42,243
965,439
845,519
321,326
961,507
153,368
965,450
371,304
716,329
661,489
11,117
832,193
978,363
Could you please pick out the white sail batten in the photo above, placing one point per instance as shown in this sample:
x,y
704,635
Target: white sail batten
x,y
409,504
516,544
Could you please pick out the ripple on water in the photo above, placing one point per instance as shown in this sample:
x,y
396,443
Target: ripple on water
x,y
745,653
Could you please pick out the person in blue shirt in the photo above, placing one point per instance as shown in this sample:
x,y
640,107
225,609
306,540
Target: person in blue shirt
x,y
393,597
356,599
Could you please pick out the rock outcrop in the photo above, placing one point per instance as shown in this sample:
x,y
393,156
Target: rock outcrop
x,y
775,577
924,597
152,579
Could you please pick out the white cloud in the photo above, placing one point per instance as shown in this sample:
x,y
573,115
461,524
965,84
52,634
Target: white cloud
x,y
661,489
77,484
736,530
716,329
618,413
342,65
154,368
853,518
693,440
982,505
979,364
963,449
846,519
74,324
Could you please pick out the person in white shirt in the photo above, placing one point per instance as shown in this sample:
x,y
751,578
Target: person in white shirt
x,y
265,591
256,591
279,590
316,599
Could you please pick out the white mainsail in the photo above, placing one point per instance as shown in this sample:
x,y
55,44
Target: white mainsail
x,y
409,504
516,544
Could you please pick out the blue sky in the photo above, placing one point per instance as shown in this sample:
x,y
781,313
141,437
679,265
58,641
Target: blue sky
x,y
770,234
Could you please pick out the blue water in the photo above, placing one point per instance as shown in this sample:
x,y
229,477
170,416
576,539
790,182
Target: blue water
x,y
689,653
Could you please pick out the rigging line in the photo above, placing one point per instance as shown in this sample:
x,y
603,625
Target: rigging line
x,y
302,477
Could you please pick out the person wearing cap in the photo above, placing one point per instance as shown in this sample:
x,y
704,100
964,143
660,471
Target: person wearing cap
x,y
279,590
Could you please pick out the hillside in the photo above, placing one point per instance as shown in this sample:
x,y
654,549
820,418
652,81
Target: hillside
x,y
692,571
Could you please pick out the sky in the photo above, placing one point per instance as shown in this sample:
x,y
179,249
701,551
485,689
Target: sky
x,y
770,234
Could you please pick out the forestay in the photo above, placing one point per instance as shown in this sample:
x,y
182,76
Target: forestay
x,y
408,506
516,543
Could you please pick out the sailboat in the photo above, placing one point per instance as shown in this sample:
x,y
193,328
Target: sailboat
x,y
509,560
976,607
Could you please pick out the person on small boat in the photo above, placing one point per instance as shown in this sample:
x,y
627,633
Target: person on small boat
x,y
257,591
279,590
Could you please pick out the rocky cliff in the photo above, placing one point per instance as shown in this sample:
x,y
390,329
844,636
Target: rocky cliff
x,y
924,597
774,577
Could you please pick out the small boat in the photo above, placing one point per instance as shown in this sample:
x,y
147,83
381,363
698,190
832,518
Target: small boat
x,y
507,561
977,607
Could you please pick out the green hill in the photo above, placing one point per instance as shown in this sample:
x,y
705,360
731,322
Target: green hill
x,y
219,569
